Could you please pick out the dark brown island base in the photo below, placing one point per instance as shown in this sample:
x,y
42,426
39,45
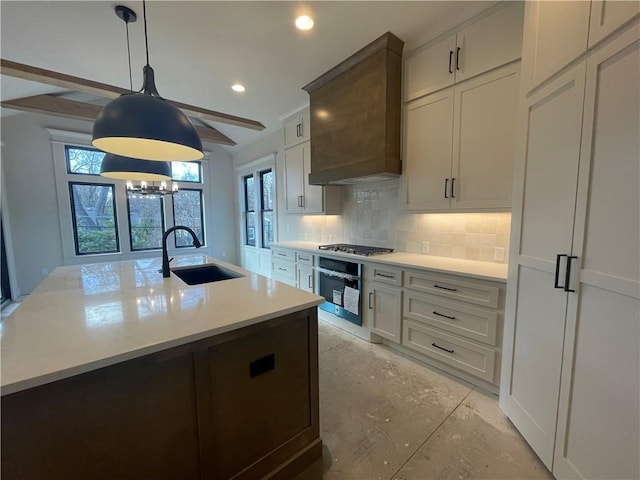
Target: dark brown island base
x,y
237,405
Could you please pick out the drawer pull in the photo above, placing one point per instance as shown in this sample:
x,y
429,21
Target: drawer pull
x,y
443,315
442,348
282,254
445,288
283,269
385,275
262,365
303,259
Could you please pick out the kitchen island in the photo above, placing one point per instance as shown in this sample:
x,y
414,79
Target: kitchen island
x,y
110,370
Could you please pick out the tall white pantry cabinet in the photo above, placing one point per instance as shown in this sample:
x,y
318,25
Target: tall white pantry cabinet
x,y
571,364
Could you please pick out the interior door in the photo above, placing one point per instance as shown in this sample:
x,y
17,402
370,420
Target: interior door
x,y
546,182
599,409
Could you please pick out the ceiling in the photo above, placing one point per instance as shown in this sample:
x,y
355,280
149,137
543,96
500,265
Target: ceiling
x,y
199,49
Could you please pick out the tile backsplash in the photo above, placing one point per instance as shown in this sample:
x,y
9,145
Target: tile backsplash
x,y
372,215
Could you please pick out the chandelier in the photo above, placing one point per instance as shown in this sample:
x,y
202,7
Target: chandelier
x,y
150,189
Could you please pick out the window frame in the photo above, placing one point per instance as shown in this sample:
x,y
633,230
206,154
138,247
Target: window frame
x,y
247,211
68,147
261,175
194,182
202,217
75,220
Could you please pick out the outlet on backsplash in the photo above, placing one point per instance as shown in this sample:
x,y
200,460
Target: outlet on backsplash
x,y
499,254
425,247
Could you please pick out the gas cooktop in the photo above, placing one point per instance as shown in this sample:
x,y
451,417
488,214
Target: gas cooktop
x,y
355,249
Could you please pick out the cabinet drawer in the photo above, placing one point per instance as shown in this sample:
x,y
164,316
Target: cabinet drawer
x,y
304,258
383,274
283,254
471,322
284,271
454,288
467,356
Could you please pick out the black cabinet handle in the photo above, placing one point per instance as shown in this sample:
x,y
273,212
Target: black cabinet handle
x,y
384,275
283,269
442,348
458,59
445,288
446,185
567,278
450,58
453,180
443,315
310,278
556,281
370,294
262,365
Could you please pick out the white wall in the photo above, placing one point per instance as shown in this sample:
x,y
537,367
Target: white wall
x,y
31,197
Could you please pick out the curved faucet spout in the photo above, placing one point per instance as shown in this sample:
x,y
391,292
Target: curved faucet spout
x,y
165,256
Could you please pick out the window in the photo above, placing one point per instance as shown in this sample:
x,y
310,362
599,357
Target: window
x,y
85,161
146,221
187,211
94,218
249,210
186,172
102,218
266,207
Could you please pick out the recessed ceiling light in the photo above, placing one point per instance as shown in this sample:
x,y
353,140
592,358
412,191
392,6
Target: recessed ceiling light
x,y
304,22
237,88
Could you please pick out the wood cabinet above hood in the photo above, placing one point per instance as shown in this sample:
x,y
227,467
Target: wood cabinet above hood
x,y
355,116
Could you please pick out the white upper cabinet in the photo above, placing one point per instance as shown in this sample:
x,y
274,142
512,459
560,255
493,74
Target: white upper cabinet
x,y
460,145
297,129
555,34
608,15
489,41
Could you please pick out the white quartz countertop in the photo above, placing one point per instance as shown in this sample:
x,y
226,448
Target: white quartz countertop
x,y
85,317
470,268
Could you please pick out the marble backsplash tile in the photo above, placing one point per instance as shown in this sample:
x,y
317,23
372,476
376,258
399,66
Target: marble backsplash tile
x,y
372,215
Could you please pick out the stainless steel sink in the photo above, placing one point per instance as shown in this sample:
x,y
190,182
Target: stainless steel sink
x,y
204,274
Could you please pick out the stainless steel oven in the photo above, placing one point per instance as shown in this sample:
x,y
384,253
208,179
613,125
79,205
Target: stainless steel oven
x,y
340,283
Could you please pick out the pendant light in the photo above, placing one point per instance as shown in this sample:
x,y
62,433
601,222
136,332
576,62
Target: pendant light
x,y
144,125
127,168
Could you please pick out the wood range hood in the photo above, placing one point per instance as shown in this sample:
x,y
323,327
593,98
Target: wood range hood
x,y
355,116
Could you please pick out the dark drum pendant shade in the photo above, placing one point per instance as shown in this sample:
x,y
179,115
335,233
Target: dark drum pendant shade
x,y
143,126
125,168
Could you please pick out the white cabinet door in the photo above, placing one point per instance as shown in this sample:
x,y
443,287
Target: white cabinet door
x,y
305,278
607,16
545,186
429,128
555,33
313,195
430,69
293,178
484,137
489,43
599,409
297,129
384,310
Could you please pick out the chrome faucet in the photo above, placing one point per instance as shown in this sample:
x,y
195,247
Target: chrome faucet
x,y
165,256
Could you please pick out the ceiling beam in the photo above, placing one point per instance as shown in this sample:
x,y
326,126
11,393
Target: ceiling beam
x,y
62,107
78,84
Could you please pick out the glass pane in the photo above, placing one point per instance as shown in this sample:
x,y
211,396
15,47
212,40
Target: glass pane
x,y
186,171
267,190
187,211
267,229
249,191
84,160
94,218
146,223
250,229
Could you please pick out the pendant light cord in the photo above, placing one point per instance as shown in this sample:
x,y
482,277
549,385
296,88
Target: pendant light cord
x,y
146,39
129,55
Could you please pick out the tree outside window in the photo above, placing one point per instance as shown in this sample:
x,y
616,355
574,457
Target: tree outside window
x,y
187,211
94,218
146,221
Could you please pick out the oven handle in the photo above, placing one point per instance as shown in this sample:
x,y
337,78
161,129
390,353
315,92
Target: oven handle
x,y
333,273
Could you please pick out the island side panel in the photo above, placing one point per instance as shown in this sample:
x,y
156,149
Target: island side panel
x,y
133,420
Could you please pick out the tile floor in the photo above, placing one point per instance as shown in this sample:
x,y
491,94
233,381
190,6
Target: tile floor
x,y
383,416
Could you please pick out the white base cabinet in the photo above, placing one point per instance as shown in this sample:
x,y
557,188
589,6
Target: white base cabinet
x,y
383,297
571,373
295,268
